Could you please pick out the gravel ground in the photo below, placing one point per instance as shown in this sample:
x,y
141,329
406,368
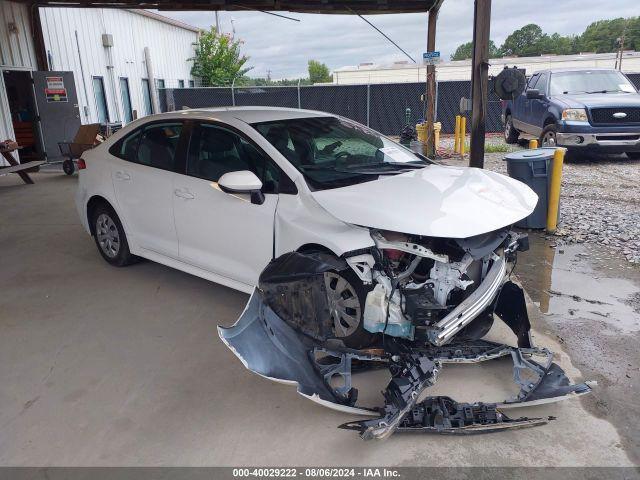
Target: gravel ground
x,y
599,201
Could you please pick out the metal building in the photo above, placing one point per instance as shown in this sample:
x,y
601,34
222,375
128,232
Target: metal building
x,y
101,66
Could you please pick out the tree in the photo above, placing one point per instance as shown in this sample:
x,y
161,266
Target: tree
x,y
602,36
217,59
319,72
526,41
465,51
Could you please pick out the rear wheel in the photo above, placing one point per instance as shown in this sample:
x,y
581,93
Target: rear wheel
x,y
110,237
510,133
346,296
633,155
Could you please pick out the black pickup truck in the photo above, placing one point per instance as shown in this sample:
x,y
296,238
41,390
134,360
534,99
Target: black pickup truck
x,y
595,109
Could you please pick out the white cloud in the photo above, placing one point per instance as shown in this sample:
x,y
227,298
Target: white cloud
x,y
284,47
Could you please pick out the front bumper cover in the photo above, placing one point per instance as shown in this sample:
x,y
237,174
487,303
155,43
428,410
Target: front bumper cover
x,y
269,346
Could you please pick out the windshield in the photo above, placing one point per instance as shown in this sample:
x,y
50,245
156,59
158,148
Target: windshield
x,y
332,152
595,81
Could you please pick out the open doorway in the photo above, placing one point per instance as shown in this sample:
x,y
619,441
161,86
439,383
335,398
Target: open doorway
x,y
24,117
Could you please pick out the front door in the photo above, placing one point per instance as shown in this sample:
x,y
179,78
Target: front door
x,y
57,103
143,172
223,233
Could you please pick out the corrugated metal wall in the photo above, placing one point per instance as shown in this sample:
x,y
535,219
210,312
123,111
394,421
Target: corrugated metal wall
x,y
16,51
171,46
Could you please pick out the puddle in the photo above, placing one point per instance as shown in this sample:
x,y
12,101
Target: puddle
x,y
578,282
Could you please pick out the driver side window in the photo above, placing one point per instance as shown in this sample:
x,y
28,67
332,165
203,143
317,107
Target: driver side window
x,y
214,151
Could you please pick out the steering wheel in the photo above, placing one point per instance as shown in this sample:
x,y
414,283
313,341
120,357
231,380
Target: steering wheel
x,y
342,157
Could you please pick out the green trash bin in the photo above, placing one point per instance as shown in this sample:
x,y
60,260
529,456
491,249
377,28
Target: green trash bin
x,y
533,167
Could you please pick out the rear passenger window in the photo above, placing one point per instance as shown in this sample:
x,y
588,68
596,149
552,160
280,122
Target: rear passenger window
x,y
127,148
158,145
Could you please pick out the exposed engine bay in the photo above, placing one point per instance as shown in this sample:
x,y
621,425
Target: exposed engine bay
x,y
411,305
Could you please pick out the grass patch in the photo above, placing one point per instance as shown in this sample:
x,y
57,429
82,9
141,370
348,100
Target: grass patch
x,y
492,147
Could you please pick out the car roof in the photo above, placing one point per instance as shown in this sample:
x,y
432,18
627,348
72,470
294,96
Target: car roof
x,y
245,114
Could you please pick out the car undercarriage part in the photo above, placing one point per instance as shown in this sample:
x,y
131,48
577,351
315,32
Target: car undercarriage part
x,y
285,333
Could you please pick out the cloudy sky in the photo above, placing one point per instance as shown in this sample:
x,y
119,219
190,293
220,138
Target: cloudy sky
x,y
284,47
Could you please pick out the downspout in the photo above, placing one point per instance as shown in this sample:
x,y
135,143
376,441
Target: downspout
x,y
85,107
155,103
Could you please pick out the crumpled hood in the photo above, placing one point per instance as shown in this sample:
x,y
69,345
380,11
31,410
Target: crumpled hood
x,y
436,201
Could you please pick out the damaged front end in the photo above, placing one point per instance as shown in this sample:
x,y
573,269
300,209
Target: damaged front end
x,y
424,302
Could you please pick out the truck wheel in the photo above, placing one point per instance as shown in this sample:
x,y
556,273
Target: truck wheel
x,y
548,137
510,134
633,155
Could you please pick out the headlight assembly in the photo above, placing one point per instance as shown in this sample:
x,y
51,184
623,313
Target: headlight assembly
x,y
575,115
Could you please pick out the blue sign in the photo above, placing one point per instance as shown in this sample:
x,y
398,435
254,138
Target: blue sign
x,y
431,57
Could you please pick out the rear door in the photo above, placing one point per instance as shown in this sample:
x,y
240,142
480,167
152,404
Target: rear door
x,y
538,106
143,171
55,94
522,110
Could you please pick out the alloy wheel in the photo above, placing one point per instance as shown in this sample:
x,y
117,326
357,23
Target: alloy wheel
x,y
107,235
344,305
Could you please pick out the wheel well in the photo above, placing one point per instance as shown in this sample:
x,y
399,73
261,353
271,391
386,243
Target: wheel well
x,y
549,121
315,247
91,206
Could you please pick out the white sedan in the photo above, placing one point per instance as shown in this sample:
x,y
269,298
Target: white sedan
x,y
219,193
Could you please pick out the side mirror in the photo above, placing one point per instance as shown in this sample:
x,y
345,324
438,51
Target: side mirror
x,y
242,181
533,94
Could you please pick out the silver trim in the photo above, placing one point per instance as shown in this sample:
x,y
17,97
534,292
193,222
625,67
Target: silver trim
x,y
472,306
567,139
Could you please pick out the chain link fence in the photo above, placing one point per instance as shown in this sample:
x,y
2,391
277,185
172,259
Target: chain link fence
x,y
382,106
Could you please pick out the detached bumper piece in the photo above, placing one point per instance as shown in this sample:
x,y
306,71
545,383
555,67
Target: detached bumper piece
x,y
284,335
444,415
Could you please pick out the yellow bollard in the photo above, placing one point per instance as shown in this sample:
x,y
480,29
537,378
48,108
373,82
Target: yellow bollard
x,y
456,135
554,191
533,143
437,126
463,133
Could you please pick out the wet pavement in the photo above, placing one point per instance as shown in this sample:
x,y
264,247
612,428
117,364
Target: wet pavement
x,y
590,300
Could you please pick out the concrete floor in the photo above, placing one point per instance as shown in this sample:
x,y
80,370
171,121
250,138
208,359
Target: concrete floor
x,y
107,366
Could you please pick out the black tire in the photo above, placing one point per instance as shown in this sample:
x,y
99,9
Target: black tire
x,y
68,167
110,237
548,137
510,133
633,155
356,337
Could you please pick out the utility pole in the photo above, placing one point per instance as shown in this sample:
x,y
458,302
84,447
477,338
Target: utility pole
x,y
217,23
479,80
431,80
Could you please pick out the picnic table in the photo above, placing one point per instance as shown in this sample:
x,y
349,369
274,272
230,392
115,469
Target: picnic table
x,y
6,149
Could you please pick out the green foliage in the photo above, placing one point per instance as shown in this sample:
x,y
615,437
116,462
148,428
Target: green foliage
x,y
465,51
526,41
319,72
601,36
217,59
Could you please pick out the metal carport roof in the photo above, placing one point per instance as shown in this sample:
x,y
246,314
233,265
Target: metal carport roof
x,y
301,6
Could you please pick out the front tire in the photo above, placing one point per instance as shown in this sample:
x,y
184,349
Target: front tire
x,y
346,295
510,133
549,136
110,237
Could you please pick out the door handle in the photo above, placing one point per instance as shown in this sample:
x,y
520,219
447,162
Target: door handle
x,y
184,193
120,175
